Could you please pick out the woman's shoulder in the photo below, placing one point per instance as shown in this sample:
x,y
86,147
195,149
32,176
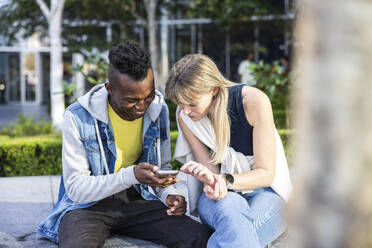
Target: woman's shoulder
x,y
252,95
255,101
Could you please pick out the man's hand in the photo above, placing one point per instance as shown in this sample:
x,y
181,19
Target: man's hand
x,y
177,205
144,172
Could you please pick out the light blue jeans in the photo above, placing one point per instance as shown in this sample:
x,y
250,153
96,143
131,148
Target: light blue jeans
x,y
243,220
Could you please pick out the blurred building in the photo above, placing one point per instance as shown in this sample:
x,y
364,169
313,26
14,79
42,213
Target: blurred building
x,y
24,80
267,36
25,66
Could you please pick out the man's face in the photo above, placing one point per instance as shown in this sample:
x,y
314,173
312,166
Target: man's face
x,y
130,99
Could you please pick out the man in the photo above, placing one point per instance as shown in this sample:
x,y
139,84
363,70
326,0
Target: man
x,y
112,139
244,71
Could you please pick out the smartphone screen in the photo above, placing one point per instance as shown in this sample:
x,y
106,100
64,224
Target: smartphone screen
x,y
164,173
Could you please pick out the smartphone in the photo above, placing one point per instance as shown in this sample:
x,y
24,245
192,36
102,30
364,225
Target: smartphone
x,y
164,173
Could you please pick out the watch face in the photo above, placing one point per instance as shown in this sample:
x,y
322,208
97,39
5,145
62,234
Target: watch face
x,y
229,178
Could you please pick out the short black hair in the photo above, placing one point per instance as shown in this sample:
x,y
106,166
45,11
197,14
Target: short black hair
x,y
131,59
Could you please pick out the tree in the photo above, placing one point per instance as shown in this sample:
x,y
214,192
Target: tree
x,y
84,22
227,12
54,18
91,19
332,164
150,6
276,83
22,15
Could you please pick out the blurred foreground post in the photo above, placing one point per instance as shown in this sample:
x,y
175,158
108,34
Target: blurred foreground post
x,y
332,206
54,18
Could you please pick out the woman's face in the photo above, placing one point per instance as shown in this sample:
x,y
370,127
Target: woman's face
x,y
200,108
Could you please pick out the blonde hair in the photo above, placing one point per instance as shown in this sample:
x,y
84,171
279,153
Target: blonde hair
x,y
195,75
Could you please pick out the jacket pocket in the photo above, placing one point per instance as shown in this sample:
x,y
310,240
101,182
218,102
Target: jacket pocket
x,y
94,156
92,145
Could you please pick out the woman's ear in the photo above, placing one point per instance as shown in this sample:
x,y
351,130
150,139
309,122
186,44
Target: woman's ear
x,y
215,91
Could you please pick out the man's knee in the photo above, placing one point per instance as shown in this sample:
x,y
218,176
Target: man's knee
x,y
187,233
199,235
78,230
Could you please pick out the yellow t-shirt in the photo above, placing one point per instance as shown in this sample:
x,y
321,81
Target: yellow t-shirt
x,y
128,139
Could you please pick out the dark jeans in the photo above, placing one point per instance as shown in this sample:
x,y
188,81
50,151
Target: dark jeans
x,y
136,218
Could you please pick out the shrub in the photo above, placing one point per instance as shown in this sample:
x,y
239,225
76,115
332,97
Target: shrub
x,y
30,156
276,83
172,115
280,118
4,138
26,126
175,163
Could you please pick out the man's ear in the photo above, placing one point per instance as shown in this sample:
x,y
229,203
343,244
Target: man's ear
x,y
108,87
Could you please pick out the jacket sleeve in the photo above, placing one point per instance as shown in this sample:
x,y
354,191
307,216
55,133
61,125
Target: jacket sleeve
x,y
81,186
165,150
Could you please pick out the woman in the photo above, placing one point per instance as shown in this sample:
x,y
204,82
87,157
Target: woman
x,y
229,131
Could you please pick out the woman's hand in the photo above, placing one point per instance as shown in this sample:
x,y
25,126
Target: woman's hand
x,y
218,190
214,184
200,172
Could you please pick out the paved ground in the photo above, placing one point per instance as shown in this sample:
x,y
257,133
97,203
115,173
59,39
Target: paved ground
x,y
24,202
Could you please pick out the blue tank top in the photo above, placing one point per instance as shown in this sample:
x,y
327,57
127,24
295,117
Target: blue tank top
x,y
240,130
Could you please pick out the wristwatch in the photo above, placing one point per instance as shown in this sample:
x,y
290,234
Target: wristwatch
x,y
229,179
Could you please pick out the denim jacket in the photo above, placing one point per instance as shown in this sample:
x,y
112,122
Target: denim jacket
x,y
88,176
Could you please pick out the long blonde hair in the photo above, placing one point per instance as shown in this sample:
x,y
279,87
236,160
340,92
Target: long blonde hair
x,y
195,75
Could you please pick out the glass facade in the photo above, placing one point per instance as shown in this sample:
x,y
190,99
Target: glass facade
x,y
30,76
2,78
14,77
45,77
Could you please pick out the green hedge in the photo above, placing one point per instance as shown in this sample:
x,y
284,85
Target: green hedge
x,y
280,119
26,126
172,115
30,156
